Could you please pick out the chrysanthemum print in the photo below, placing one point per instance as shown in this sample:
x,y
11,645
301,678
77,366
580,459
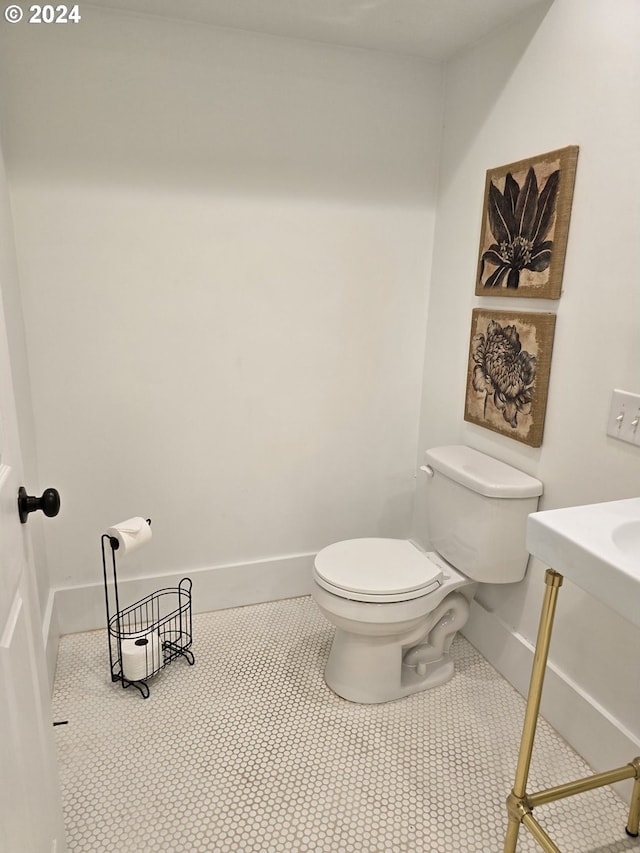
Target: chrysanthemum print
x,y
525,225
508,372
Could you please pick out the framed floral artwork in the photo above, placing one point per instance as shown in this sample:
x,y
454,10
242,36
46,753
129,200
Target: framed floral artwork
x,y
525,225
508,372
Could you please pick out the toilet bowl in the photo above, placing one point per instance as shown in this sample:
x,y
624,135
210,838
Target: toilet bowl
x,y
381,617
396,608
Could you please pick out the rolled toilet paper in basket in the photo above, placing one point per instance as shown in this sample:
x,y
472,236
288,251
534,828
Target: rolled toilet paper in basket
x,y
131,534
141,656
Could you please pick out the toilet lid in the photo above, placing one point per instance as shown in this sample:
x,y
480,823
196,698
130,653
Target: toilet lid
x,y
376,570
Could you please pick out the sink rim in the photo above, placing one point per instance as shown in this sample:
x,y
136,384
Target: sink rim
x,y
578,542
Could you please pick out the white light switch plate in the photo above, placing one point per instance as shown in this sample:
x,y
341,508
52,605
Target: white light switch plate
x,y
624,417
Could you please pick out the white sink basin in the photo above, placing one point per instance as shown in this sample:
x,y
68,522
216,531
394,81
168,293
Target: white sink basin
x,y
597,547
626,537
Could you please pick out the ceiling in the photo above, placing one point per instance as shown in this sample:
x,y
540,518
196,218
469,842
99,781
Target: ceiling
x,y
432,29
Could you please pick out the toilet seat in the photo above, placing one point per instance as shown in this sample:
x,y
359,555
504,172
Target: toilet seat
x,y
377,570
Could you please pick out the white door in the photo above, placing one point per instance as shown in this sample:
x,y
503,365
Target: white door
x,y
30,802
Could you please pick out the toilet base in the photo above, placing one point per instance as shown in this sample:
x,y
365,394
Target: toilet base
x,y
372,672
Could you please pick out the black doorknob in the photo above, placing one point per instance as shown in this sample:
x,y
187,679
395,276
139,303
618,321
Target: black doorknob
x,y
49,503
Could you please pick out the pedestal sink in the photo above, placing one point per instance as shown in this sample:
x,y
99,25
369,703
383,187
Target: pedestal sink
x,y
597,547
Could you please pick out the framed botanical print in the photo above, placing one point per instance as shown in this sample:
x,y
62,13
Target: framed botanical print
x,y
525,226
508,372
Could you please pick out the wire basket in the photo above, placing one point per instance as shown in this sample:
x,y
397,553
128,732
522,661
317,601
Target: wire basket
x,y
149,634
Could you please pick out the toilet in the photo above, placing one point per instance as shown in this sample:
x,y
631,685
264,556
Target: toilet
x,y
396,607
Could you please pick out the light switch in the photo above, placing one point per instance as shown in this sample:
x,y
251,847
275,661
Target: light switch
x,y
624,417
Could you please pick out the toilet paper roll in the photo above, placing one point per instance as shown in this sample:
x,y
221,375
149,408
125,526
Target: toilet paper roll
x,y
131,534
141,656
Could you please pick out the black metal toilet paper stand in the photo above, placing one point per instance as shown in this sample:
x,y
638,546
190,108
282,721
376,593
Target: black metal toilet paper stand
x,y
159,626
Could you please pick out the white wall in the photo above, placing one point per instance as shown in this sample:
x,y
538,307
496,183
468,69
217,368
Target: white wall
x,y
570,76
224,243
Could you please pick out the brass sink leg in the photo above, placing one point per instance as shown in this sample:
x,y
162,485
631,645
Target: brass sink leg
x,y
517,809
511,838
634,807
520,810
520,805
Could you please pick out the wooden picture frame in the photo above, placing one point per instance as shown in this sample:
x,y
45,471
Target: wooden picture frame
x,y
508,372
525,226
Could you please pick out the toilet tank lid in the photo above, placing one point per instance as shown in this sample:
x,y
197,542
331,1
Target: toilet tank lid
x,y
481,473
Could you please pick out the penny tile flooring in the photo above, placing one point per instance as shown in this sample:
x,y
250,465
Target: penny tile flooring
x,y
249,751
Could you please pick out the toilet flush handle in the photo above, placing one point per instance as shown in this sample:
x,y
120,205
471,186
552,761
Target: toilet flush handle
x,y
428,470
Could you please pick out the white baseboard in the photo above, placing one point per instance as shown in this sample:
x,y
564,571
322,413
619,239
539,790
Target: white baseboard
x,y
82,608
586,725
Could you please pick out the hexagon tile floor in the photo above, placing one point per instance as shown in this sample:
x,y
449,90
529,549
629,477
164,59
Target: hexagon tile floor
x,y
248,751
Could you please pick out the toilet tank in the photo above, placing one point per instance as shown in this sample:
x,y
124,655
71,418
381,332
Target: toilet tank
x,y
477,509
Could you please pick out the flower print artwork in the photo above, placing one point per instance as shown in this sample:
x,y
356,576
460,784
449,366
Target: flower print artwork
x,y
520,220
525,226
503,371
508,372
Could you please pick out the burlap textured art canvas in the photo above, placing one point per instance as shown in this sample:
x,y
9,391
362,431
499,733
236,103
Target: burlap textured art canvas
x,y
525,226
508,372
